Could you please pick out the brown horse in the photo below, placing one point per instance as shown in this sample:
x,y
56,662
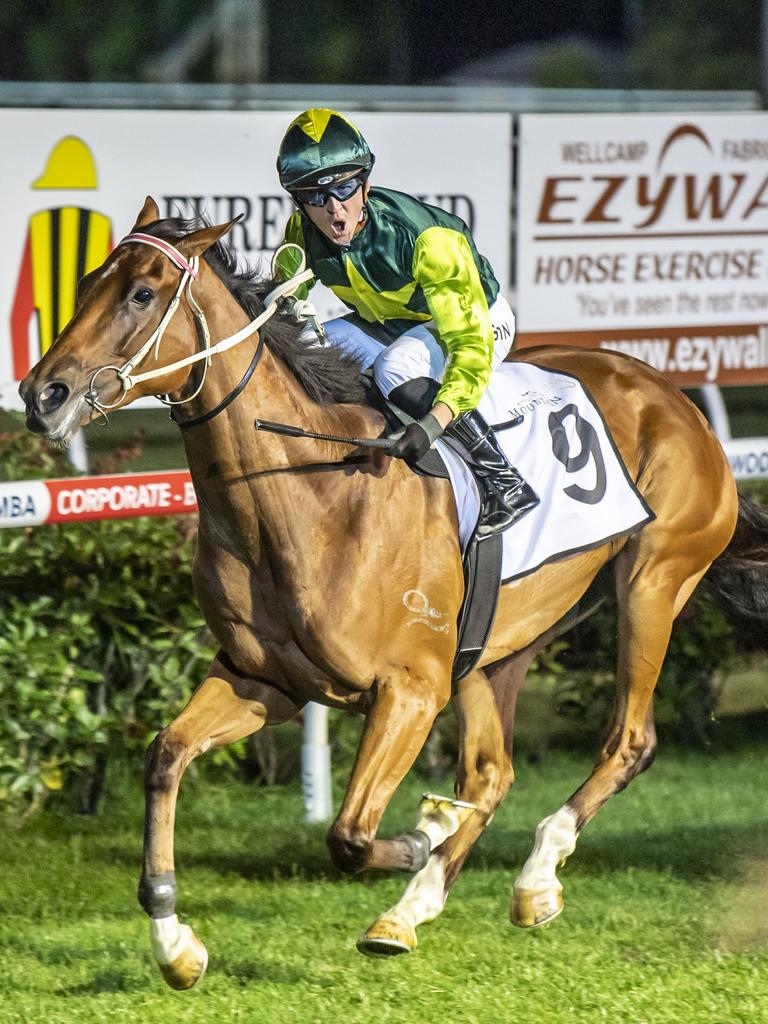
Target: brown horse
x,y
304,558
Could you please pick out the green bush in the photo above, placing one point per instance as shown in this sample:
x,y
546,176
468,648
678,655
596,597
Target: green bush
x,y
700,647
101,640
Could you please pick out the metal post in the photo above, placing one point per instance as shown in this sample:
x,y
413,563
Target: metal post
x,y
717,414
316,765
78,453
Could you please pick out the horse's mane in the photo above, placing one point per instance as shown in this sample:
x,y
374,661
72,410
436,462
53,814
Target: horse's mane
x,y
325,373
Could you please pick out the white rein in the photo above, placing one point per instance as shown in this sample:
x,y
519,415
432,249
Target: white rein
x,y
190,271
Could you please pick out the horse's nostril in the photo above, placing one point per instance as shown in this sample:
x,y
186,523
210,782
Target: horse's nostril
x,y
53,396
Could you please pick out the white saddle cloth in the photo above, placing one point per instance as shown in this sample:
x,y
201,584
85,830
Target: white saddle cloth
x,y
563,449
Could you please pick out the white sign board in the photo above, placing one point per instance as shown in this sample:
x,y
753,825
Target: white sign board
x,y
647,234
74,180
748,457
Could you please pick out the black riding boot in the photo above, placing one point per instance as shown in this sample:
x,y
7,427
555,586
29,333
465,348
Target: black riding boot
x,y
507,496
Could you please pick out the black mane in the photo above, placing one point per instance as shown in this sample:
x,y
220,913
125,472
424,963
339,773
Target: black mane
x,y
325,373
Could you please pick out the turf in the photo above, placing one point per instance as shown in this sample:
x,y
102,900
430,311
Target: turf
x,y
665,919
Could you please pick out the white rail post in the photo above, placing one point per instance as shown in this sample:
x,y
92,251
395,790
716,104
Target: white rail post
x,y
78,453
316,765
717,414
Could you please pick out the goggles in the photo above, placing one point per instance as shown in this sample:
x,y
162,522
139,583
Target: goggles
x,y
319,196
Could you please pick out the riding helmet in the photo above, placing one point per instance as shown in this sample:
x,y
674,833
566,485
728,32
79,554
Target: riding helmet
x,y
321,147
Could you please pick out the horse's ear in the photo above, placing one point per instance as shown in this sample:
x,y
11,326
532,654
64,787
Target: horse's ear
x,y
197,242
148,214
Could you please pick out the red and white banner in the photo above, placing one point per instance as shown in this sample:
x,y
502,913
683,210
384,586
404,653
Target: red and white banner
x,y
35,502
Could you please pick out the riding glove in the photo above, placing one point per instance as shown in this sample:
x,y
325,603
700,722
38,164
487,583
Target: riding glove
x,y
414,441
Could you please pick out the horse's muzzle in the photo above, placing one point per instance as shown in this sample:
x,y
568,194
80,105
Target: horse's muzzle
x,y
42,403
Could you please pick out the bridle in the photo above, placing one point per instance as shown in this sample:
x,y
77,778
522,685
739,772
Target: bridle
x,y
189,273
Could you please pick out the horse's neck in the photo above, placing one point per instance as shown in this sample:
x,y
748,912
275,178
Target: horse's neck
x,y
248,478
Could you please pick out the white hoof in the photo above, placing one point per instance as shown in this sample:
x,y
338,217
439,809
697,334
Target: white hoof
x,y
180,955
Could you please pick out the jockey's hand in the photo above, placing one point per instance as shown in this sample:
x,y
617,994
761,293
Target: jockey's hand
x,y
414,441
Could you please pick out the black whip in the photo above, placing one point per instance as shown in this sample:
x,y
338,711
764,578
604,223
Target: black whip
x,y
356,442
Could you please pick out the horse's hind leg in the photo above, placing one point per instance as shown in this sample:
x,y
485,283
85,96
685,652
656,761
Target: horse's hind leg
x,y
653,584
484,776
224,708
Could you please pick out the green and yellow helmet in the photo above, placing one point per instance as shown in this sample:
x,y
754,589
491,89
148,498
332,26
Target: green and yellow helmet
x,y
320,148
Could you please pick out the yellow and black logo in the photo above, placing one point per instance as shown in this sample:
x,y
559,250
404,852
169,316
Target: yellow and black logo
x,y
62,245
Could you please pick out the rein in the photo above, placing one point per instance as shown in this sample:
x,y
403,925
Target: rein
x,y
190,272
185,424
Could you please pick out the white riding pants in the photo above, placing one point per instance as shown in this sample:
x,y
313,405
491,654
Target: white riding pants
x,y
416,353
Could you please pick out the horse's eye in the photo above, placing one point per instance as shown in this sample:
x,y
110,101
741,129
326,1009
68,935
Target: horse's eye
x,y
143,296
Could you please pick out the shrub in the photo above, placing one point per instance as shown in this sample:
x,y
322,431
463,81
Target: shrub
x,y
101,640
701,645
101,643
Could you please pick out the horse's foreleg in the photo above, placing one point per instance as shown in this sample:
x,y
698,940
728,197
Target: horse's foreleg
x,y
649,598
224,708
484,776
395,729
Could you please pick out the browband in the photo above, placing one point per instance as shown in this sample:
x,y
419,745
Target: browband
x,y
169,250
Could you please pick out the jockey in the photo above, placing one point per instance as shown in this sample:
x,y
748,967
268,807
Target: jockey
x,y
427,316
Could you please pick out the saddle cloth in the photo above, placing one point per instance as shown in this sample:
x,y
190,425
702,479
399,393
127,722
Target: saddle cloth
x,y
563,448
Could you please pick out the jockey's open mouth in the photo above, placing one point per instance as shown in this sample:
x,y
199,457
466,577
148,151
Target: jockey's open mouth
x,y
341,224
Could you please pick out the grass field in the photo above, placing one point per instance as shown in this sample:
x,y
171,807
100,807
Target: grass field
x,y
666,915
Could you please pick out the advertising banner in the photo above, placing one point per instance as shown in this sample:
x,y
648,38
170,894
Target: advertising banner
x,y
122,496
74,180
647,234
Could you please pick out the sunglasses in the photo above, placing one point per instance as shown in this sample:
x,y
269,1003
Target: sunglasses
x,y
320,196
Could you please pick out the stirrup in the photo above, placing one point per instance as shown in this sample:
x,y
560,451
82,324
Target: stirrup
x,y
496,515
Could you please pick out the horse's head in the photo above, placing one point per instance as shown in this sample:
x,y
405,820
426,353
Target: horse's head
x,y
120,306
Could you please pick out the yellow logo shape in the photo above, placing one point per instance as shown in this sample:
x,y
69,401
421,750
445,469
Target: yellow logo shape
x,y
70,165
313,122
373,305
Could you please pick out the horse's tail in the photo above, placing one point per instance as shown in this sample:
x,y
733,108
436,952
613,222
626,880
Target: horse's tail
x,y
739,577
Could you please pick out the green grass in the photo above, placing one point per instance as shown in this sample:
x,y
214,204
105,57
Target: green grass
x,y
665,919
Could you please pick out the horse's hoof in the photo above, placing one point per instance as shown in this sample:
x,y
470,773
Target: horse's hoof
x,y
181,956
389,935
531,908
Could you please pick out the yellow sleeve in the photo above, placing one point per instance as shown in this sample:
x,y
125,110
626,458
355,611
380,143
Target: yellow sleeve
x,y
444,267
289,261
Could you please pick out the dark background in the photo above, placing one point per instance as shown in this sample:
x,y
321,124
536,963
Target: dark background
x,y
649,44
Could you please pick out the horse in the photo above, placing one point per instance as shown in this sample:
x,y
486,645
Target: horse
x,y
305,553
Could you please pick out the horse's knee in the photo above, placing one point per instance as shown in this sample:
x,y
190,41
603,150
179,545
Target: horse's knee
x,y
646,756
505,775
164,762
485,779
635,757
350,850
